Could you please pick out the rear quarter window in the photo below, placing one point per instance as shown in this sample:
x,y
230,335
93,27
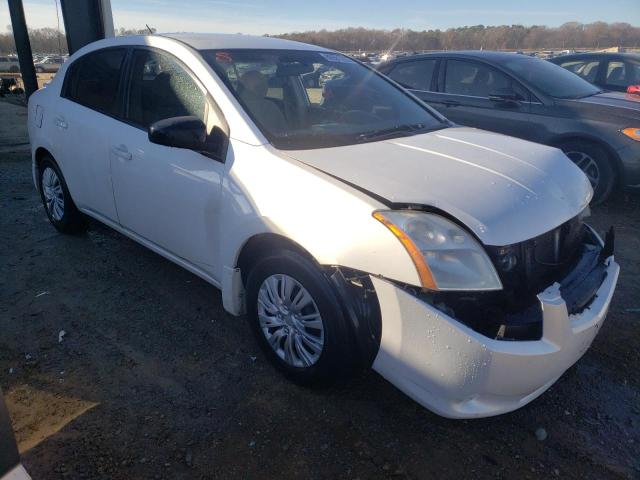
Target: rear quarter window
x,y
94,80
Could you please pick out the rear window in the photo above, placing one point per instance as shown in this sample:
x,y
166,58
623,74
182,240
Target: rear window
x,y
94,80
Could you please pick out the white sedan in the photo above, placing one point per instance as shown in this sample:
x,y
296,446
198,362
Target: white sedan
x,y
354,225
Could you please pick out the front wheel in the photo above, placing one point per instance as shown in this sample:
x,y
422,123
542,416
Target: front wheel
x,y
596,164
297,319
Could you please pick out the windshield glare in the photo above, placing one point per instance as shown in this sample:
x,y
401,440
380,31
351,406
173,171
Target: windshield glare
x,y
306,99
550,78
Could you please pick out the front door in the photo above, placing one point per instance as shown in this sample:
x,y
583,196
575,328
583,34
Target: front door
x,y
468,96
169,196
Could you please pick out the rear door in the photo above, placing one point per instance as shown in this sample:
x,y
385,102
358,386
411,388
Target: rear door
x,y
87,110
420,77
467,92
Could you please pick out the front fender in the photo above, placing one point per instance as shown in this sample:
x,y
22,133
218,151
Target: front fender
x,y
265,192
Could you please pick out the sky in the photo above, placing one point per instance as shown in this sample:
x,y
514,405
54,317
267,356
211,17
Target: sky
x,y
281,16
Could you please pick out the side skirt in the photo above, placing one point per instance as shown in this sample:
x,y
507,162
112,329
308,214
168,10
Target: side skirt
x,y
154,247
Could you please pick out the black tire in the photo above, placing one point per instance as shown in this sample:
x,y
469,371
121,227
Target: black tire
x,y
577,151
336,360
71,221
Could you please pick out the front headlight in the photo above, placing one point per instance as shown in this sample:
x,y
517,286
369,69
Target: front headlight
x,y
446,256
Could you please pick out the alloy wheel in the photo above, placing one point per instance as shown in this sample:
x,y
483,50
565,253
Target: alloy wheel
x,y
290,321
53,194
588,165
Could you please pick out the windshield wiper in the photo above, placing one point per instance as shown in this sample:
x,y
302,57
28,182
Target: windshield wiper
x,y
405,128
578,97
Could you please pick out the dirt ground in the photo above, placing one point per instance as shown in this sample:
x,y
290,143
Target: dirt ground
x,y
117,364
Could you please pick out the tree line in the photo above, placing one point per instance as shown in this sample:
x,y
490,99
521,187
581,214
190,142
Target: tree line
x,y
572,35
50,40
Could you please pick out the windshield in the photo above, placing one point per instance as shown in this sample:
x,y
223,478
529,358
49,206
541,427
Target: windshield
x,y
549,78
304,99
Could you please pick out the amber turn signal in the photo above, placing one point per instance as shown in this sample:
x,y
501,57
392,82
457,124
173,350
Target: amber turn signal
x,y
426,278
632,133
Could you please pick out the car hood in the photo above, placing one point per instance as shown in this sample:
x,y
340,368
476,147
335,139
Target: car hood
x,y
618,103
504,189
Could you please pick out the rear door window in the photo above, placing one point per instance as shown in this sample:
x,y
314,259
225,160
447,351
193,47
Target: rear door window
x,y
415,75
586,68
94,80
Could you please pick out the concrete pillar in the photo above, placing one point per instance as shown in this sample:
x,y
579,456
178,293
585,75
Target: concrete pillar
x,y
23,46
86,21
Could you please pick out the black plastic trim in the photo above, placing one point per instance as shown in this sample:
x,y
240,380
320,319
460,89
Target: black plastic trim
x,y
362,310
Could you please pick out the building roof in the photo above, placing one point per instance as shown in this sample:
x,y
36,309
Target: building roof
x,y
205,41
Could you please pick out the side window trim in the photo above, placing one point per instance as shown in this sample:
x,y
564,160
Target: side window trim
x,y
77,63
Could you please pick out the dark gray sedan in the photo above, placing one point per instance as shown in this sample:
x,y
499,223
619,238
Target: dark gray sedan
x,y
536,100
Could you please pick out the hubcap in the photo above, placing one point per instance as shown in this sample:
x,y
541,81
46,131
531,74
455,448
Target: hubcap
x,y
53,195
290,320
588,165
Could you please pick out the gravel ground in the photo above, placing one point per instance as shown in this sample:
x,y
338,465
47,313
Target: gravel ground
x,y
116,363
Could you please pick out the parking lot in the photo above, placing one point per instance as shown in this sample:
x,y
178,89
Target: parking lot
x,y
118,364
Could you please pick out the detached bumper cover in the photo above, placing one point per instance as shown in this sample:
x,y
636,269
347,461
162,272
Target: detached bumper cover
x,y
459,373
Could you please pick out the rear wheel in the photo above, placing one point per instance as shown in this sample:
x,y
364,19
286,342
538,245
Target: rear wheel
x,y
596,164
297,319
61,210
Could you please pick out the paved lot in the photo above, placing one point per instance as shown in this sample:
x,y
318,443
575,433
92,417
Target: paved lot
x,y
151,379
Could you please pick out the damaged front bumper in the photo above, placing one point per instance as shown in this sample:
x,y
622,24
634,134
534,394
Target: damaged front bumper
x,y
458,372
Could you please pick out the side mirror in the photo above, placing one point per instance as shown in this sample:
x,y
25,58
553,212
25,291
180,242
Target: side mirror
x,y
504,95
180,132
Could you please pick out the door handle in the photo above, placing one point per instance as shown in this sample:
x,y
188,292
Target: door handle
x,y
451,103
61,122
121,151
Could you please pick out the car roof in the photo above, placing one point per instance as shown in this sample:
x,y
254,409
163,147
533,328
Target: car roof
x,y
577,56
488,55
210,41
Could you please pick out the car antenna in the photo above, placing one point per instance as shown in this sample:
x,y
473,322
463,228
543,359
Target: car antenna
x,y
148,28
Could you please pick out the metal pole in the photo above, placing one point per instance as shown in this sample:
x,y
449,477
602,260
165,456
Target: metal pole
x,y
23,47
107,18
